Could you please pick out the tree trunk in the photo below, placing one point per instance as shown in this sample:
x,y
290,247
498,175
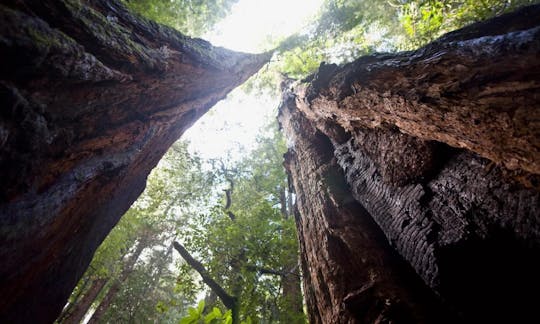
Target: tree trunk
x,y
81,307
290,279
117,284
75,299
93,96
396,148
161,265
351,274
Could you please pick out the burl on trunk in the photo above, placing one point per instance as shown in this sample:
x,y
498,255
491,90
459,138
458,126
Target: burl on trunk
x,y
440,147
92,97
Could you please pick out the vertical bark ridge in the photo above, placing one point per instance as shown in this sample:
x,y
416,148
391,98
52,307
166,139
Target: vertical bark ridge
x,y
352,275
439,147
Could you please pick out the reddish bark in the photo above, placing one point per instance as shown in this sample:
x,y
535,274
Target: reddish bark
x,y
403,140
93,97
81,307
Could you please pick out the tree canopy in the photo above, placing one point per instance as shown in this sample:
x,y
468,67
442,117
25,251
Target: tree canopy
x,y
232,219
192,17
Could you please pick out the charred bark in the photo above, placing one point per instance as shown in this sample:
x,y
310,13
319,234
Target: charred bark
x,y
92,97
440,148
351,274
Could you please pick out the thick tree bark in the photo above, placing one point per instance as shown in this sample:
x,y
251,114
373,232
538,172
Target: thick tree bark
x,y
484,85
351,274
92,97
406,140
81,307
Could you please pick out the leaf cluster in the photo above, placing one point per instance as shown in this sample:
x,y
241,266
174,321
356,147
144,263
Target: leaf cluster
x,y
259,237
191,17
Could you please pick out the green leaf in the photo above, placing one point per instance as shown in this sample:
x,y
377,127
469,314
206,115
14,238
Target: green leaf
x,y
214,314
200,307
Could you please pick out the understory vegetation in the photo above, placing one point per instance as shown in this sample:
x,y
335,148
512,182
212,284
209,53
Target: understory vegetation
x,y
213,241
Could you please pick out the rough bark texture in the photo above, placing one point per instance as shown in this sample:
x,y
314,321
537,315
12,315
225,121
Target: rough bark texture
x,y
91,97
441,148
351,274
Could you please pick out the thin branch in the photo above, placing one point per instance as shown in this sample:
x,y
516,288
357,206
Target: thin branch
x,y
228,300
231,215
228,195
262,270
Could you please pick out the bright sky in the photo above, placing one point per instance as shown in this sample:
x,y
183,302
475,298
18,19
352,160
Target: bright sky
x,y
251,22
234,122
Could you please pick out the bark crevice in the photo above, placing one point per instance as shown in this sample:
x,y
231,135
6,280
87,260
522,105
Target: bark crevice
x,y
439,148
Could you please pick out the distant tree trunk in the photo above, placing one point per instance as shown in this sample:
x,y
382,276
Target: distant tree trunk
x,y
75,299
290,280
113,290
92,98
160,266
389,156
82,306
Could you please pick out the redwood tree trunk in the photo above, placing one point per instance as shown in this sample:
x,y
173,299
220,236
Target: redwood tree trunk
x,y
92,97
113,290
290,280
351,274
439,149
82,306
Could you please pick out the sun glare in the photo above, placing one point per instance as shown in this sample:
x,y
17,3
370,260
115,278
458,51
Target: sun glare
x,y
252,22
233,124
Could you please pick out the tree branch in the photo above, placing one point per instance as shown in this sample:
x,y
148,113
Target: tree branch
x,y
262,270
228,300
228,195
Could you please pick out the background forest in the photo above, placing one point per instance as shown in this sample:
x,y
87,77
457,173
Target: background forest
x,y
213,239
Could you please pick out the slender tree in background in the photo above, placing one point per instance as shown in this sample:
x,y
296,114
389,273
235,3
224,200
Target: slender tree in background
x,y
173,189
247,246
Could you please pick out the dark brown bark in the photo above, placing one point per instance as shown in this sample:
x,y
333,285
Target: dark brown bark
x,y
485,86
351,274
82,306
403,141
92,97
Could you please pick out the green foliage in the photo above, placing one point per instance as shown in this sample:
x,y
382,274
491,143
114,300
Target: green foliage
x,y
259,237
347,29
183,198
214,316
191,17
424,21
175,190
